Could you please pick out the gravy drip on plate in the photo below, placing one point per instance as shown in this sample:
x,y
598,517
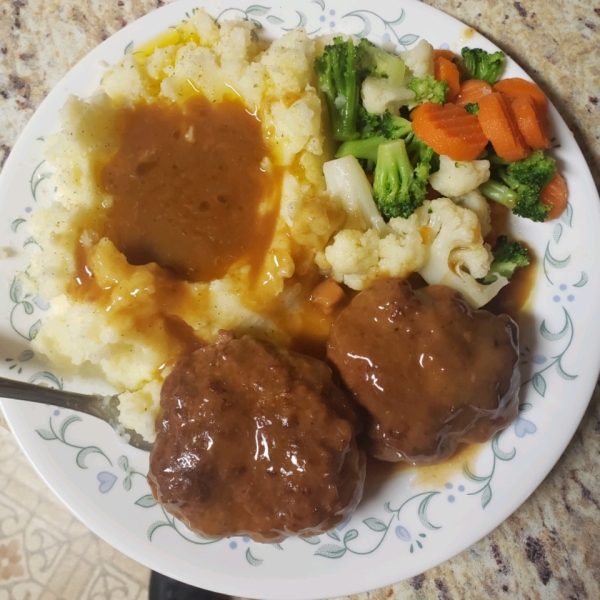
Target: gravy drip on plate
x,y
188,185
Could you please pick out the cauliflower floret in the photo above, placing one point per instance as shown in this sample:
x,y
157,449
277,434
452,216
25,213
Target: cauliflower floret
x,y
356,258
419,59
457,254
440,240
379,95
406,252
456,178
476,202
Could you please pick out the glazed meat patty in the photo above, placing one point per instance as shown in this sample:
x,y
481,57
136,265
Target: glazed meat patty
x,y
430,371
255,440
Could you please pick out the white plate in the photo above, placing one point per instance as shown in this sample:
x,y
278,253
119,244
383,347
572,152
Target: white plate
x,y
406,524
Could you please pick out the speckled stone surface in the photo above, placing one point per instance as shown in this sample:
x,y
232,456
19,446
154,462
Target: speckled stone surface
x,y
550,548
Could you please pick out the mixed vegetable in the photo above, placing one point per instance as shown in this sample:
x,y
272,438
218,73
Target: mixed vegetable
x,y
422,128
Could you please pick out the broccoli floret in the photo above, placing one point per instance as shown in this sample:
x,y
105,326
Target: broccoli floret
x,y
472,108
425,161
339,82
508,257
379,63
375,130
398,187
518,185
341,69
393,127
428,89
536,170
483,65
368,122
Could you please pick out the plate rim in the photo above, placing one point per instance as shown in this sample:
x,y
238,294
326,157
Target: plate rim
x,y
241,588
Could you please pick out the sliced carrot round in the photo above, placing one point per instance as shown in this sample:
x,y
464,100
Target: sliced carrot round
x,y
449,130
556,195
514,87
445,69
471,91
500,127
531,122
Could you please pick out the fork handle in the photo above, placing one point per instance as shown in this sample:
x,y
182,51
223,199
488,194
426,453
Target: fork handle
x,y
20,390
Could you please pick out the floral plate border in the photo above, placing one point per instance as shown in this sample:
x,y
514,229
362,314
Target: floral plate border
x,y
424,521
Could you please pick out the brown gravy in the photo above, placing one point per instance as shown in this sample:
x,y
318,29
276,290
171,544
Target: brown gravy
x,y
433,475
192,195
188,184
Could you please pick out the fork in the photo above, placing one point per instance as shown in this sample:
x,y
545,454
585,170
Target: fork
x,y
96,405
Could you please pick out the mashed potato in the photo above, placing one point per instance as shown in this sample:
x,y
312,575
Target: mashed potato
x,y
122,335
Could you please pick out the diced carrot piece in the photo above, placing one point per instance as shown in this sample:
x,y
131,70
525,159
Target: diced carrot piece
x,y
327,295
500,127
447,54
531,122
446,69
471,91
449,130
514,87
555,194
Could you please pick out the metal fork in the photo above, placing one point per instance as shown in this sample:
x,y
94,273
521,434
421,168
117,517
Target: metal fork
x,y
101,407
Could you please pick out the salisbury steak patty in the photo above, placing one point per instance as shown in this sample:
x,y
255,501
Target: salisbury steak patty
x,y
255,440
431,371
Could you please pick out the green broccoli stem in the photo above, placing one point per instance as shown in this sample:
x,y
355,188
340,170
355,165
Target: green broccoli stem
x,y
392,179
338,81
494,158
366,149
493,190
345,124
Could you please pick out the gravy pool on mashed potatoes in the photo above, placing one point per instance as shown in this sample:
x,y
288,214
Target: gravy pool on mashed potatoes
x,y
128,293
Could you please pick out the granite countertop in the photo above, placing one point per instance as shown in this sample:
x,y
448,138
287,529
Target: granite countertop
x,y
550,548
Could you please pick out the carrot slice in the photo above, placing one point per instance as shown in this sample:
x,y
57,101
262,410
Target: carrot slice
x,y
327,295
471,91
449,130
514,87
531,122
447,54
555,194
446,69
500,127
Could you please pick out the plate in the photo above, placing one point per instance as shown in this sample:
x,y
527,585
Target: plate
x,y
410,520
